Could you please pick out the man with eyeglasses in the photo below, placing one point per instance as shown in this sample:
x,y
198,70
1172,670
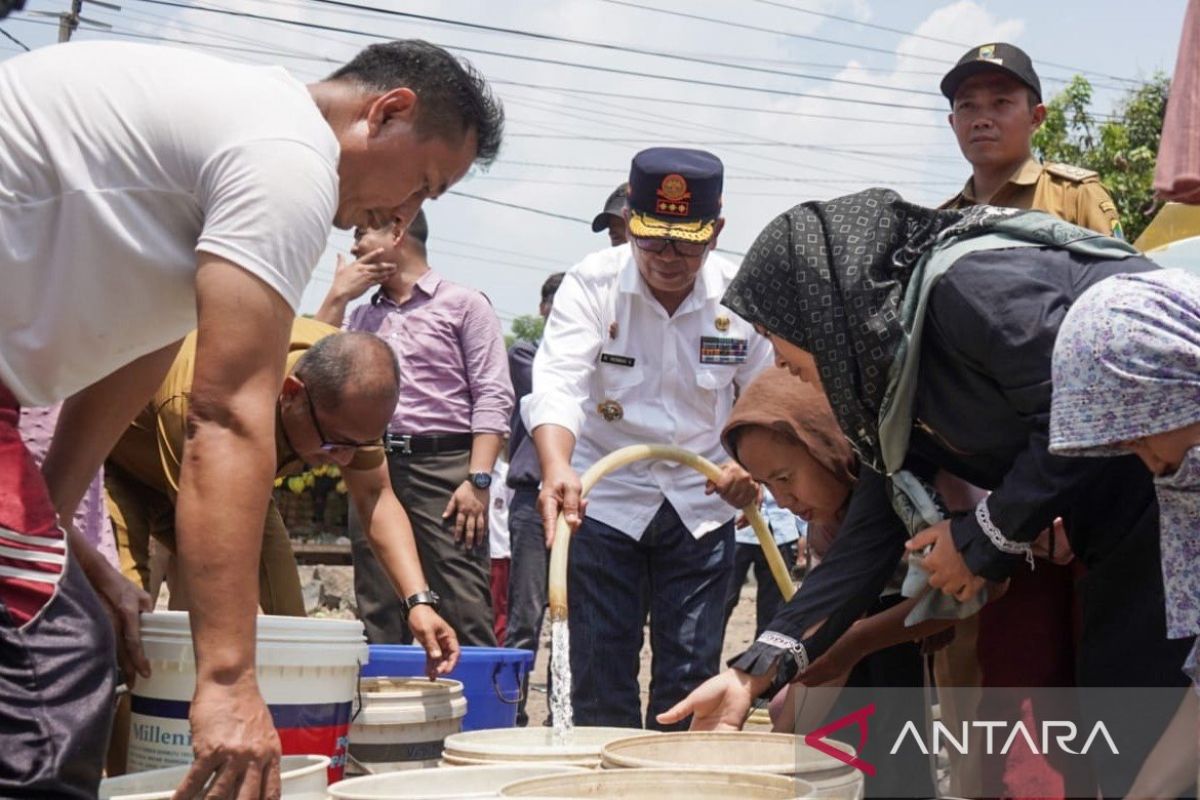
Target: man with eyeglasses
x,y
639,350
339,391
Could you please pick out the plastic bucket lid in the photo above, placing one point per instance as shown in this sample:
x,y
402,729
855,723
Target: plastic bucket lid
x,y
442,783
303,778
532,744
742,751
662,784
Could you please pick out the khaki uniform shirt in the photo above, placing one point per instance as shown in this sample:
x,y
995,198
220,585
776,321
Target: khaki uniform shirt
x,y
151,450
142,481
1072,194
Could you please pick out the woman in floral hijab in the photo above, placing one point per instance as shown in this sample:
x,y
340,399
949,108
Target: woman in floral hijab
x,y
1127,378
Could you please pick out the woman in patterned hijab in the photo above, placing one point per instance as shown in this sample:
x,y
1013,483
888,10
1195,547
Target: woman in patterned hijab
x,y
829,278
1127,378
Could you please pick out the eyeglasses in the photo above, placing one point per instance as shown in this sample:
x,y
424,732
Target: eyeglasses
x,y
330,446
682,249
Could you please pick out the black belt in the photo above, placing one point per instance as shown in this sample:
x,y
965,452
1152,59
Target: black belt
x,y
429,445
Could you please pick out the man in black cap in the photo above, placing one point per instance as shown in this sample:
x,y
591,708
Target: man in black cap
x,y
639,350
996,106
612,218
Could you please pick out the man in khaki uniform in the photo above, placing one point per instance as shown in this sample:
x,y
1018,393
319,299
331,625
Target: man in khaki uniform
x,y
996,106
339,392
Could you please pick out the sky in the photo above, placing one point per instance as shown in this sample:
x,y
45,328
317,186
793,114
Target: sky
x,y
801,99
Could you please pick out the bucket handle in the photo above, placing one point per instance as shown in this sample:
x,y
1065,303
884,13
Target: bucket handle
x,y
358,706
522,685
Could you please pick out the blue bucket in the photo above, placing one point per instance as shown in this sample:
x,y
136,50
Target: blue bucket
x,y
493,678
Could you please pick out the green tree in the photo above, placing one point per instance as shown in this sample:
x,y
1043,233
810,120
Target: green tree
x,y
527,327
1121,148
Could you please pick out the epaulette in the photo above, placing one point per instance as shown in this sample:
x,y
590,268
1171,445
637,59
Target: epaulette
x,y
1071,172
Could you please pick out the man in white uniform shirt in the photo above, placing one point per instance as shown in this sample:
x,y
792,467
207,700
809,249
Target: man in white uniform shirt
x,y
146,191
639,350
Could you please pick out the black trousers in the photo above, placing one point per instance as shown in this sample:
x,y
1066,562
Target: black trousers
x,y
461,577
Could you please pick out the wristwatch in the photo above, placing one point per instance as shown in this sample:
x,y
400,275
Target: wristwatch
x,y
480,480
426,598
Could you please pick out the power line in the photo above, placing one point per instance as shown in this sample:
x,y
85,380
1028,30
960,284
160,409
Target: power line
x,y
14,39
722,106
822,40
852,21
556,62
547,37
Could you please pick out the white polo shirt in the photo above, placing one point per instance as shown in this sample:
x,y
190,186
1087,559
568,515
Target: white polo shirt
x,y
674,378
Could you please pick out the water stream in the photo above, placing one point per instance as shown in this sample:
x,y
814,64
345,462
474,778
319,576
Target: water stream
x,y
560,692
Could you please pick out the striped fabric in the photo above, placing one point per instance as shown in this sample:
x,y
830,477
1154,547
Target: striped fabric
x,y
33,548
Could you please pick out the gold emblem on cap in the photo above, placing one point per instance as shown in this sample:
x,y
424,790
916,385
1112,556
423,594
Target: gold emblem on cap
x,y
722,323
673,187
987,52
611,410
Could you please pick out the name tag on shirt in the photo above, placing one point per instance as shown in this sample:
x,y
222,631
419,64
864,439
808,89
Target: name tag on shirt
x,y
620,361
723,350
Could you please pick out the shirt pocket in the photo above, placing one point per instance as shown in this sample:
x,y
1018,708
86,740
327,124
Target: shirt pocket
x,y
618,381
713,398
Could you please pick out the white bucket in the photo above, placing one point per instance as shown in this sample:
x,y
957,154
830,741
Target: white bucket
x,y
534,744
402,723
307,672
443,784
740,751
663,784
303,778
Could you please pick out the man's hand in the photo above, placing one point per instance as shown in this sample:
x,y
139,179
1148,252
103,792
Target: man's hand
x,y
122,600
721,703
735,486
468,505
437,637
124,603
946,568
352,279
235,744
561,493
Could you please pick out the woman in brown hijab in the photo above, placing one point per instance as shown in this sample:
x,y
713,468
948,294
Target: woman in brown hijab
x,y
783,432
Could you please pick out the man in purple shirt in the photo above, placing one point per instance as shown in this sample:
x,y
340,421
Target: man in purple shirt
x,y
455,402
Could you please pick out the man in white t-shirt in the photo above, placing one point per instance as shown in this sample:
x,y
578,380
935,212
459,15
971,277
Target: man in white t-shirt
x,y
146,191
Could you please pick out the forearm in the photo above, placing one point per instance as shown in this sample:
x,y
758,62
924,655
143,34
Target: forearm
x,y
485,449
224,488
1171,766
91,422
389,532
554,445
887,629
333,308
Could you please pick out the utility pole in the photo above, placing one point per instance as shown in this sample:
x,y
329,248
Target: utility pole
x,y
68,21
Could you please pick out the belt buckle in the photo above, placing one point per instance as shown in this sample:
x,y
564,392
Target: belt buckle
x,y
400,444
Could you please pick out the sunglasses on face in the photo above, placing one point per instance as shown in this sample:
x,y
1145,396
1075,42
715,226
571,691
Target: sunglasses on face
x,y
328,445
657,246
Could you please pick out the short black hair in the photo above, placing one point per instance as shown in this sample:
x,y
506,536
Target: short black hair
x,y
334,362
454,98
550,286
418,229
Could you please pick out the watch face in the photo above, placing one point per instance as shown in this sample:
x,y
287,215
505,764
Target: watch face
x,y
481,480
